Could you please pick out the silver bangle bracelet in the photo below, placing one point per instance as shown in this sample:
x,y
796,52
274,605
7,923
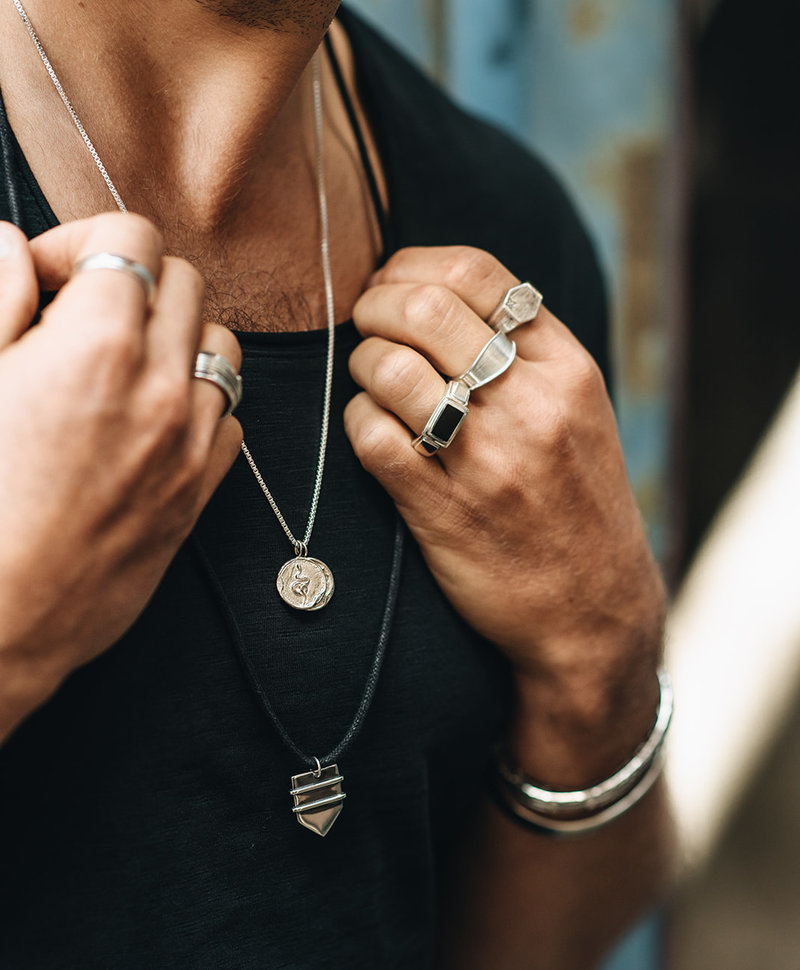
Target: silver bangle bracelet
x,y
548,825
590,808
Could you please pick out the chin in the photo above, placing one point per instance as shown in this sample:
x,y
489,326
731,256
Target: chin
x,y
288,16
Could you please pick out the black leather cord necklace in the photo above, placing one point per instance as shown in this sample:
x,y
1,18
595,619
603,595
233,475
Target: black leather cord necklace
x,y
318,793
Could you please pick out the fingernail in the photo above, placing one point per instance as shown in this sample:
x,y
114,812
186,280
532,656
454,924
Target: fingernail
x,y
7,240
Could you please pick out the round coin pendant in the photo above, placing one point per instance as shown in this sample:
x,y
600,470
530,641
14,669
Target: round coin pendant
x,y
305,584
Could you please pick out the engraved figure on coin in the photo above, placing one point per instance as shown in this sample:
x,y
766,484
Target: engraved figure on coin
x,y
305,584
300,583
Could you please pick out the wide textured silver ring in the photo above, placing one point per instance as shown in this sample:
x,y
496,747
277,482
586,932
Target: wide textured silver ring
x,y
445,422
493,360
218,370
123,265
519,306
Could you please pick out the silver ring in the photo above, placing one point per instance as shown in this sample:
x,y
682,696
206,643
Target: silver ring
x,y
494,360
445,422
121,264
519,306
219,370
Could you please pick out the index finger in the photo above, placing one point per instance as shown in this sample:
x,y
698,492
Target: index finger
x,y
474,275
101,296
481,281
56,251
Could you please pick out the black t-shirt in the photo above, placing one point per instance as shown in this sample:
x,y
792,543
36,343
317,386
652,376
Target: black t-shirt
x,y
145,816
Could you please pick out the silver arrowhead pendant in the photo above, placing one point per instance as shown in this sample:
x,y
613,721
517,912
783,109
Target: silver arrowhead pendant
x,y
318,798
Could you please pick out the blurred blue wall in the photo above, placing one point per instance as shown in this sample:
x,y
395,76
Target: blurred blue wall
x,y
591,85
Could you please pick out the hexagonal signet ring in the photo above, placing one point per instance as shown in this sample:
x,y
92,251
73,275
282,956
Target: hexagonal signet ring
x,y
519,306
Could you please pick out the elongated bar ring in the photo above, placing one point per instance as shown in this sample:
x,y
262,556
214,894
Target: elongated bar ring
x,y
219,370
444,424
121,264
494,360
519,306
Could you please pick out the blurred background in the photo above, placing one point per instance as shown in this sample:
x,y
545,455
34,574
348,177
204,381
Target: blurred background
x,y
674,125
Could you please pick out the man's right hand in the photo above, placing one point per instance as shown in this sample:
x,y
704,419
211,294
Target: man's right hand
x,y
110,449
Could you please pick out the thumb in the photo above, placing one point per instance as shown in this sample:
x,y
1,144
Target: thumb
x,y
19,288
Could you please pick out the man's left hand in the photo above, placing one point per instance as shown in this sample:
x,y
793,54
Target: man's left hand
x,y
527,520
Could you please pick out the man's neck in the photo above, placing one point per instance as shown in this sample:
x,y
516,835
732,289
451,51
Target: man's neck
x,y
206,127
172,86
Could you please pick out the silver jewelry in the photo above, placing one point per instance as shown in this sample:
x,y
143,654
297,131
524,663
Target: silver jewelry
x,y
319,812
301,569
566,827
585,810
113,261
445,422
495,359
304,583
519,306
318,798
68,105
219,370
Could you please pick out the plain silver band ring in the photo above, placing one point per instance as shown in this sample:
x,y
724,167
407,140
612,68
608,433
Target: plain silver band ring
x,y
218,370
519,306
121,264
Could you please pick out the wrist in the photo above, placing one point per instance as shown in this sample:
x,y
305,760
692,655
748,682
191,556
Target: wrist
x,y
570,729
576,811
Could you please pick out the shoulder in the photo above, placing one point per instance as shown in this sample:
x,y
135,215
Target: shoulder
x,y
456,179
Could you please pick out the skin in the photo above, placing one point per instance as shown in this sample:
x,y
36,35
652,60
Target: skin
x,y
127,396
277,15
535,537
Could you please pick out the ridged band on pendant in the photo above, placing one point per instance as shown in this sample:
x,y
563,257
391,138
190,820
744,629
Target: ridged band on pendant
x,y
318,798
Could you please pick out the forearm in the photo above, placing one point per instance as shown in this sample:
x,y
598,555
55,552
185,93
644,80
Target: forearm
x,y
517,900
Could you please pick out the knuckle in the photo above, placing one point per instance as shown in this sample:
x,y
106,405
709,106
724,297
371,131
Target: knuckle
x,y
379,454
114,346
466,264
396,265
146,233
397,373
219,340
585,375
553,431
140,229
169,405
370,445
187,274
428,305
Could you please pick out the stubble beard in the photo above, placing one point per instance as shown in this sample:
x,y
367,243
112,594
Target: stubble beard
x,y
287,16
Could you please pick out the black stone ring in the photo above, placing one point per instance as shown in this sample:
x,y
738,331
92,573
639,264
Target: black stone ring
x,y
445,422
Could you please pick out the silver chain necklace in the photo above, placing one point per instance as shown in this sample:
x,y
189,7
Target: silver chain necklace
x,y
304,583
